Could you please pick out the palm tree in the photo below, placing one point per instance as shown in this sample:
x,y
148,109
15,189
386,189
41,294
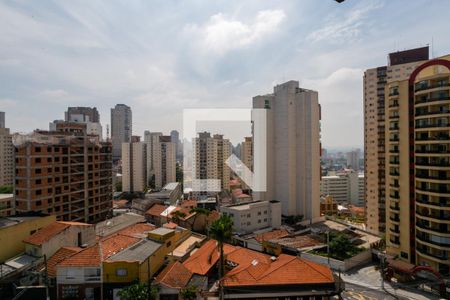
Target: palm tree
x,y
221,231
198,211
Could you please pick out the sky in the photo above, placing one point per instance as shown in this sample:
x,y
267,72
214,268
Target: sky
x,y
160,57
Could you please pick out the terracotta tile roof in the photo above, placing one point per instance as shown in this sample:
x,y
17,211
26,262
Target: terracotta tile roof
x,y
116,243
138,230
242,256
202,260
170,225
175,275
274,234
91,256
86,257
46,233
156,210
51,231
285,270
120,203
60,255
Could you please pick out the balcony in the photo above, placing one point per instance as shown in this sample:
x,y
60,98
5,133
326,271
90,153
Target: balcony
x,y
423,251
431,99
430,125
435,216
424,238
437,205
394,139
425,226
427,112
393,93
396,208
394,219
395,230
425,87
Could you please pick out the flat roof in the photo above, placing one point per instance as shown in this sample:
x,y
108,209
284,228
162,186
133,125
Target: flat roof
x,y
137,252
11,221
6,196
187,246
171,186
161,231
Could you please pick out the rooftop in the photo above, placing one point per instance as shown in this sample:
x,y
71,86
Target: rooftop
x,y
138,230
60,255
117,223
175,275
156,210
6,196
50,231
270,235
137,252
161,231
187,245
205,257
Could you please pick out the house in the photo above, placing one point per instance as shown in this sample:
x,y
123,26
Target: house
x,y
282,276
153,214
48,240
13,230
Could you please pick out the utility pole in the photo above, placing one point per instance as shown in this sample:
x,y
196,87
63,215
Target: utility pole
x,y
328,247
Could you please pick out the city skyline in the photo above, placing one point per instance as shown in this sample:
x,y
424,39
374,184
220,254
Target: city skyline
x,y
108,61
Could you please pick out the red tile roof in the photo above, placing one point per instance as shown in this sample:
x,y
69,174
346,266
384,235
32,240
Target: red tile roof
x,y
50,231
46,233
274,234
120,203
175,275
170,225
202,260
156,210
60,255
242,256
91,256
137,230
285,270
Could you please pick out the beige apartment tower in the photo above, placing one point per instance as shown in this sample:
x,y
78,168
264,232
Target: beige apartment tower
x,y
293,149
134,167
210,154
418,166
164,161
6,158
401,65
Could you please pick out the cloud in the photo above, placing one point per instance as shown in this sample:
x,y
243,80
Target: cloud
x,y
223,33
344,28
6,103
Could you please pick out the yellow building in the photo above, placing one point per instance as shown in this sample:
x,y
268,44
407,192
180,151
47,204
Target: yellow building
x,y
135,263
418,166
13,230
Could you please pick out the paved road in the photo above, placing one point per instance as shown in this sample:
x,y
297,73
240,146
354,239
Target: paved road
x,y
357,292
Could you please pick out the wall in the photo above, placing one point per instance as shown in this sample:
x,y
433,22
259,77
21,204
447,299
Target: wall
x,y
357,260
110,271
14,235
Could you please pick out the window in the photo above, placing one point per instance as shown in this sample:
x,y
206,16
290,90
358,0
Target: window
x,y
38,181
37,149
121,272
37,160
38,171
38,203
168,244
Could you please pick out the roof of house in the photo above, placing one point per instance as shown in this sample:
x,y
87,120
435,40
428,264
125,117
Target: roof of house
x,y
137,252
298,242
202,260
60,255
189,203
284,270
138,230
270,235
91,256
50,231
175,275
156,210
241,256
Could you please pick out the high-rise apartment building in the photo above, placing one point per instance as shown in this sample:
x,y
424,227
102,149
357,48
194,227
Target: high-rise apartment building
x,y
293,149
82,114
418,165
121,128
401,66
246,155
134,167
164,161
353,159
6,157
346,187
175,135
151,139
66,173
2,119
209,155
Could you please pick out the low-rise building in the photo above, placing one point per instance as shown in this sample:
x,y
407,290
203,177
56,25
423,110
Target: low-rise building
x,y
328,207
346,186
248,217
6,205
13,230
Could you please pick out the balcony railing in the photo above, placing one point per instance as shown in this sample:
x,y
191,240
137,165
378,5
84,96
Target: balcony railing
x,y
429,125
430,86
431,99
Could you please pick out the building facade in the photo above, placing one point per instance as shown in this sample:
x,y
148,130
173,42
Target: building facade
x,y
164,161
121,128
375,80
151,139
418,165
251,216
68,174
346,187
6,158
7,205
293,149
134,167
210,154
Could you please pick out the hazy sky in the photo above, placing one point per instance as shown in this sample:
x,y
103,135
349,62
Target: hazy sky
x,y
162,56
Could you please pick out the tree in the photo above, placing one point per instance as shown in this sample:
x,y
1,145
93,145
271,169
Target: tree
x,y
118,186
177,215
341,247
293,219
6,189
199,211
179,173
138,291
189,293
221,230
